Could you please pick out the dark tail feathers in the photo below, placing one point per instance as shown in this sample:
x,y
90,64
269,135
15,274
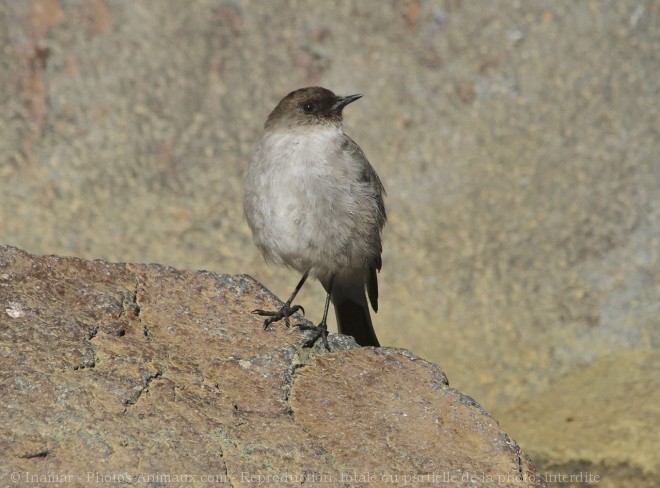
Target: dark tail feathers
x,y
352,310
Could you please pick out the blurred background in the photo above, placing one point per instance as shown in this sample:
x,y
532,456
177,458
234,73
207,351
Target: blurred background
x,y
518,142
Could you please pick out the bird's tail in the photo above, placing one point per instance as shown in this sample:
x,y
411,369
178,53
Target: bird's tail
x,y
352,310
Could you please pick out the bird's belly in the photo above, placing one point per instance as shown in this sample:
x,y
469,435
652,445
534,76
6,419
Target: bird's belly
x,y
306,230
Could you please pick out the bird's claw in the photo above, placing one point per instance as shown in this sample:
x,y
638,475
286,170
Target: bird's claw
x,y
284,312
320,332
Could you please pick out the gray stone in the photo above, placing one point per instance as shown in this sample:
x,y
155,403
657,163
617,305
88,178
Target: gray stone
x,y
194,388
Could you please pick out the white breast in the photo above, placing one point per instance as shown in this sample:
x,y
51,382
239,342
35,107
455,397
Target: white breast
x,y
297,191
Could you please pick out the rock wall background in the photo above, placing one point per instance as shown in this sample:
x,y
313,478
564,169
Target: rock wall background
x,y
518,142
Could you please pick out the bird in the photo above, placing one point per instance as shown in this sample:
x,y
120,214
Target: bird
x,y
315,204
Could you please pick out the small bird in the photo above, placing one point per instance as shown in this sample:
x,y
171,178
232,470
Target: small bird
x,y
315,204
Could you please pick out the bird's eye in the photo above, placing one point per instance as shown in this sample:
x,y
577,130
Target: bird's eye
x,y
308,107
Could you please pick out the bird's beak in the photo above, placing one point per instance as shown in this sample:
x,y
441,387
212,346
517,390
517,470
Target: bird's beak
x,y
343,101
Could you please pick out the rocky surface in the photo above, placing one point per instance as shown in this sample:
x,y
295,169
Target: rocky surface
x,y
127,374
619,394
518,142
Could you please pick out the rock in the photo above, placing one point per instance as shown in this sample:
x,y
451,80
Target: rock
x,y
599,421
129,373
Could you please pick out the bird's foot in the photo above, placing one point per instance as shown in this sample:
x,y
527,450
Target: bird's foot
x,y
320,332
284,312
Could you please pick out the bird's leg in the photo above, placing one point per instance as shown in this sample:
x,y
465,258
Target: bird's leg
x,y
322,328
285,310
